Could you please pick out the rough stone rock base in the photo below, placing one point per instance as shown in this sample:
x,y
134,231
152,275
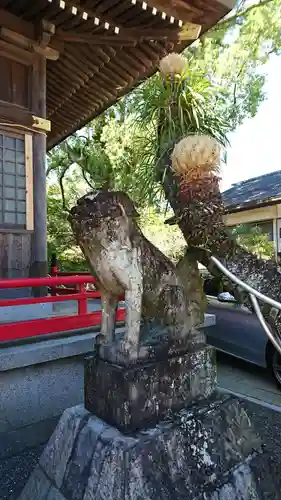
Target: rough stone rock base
x,y
207,452
131,397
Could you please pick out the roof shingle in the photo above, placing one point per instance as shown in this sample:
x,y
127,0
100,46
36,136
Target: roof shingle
x,y
257,189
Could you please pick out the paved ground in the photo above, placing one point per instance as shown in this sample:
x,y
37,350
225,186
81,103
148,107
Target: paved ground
x,y
247,380
15,471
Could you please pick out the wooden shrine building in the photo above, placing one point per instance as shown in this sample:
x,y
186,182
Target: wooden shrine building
x,y
62,62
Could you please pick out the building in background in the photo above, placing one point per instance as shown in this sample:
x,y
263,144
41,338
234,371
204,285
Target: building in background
x,y
257,202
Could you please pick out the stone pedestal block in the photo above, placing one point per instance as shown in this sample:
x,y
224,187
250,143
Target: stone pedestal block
x,y
209,451
132,397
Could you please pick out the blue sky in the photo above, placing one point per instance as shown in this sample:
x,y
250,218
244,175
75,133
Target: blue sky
x,y
255,144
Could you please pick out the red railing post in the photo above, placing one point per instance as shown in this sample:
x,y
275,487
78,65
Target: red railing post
x,y
82,302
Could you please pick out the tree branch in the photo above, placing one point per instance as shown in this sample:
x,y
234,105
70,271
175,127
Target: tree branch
x,y
235,86
61,177
229,20
86,180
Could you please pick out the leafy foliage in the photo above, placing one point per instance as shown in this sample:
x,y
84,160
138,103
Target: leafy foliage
x,y
254,240
112,159
178,106
223,86
165,237
168,109
60,237
233,54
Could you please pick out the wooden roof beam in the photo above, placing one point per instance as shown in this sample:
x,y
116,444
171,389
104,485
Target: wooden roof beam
x,y
186,10
40,38
14,23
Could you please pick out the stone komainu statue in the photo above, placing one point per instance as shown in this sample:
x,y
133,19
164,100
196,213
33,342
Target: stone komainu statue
x,y
126,263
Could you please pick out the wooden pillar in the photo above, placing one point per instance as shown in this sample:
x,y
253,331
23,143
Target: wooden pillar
x,y
39,265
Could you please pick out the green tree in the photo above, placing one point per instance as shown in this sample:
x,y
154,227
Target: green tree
x,y
224,84
60,237
233,54
168,239
108,155
254,240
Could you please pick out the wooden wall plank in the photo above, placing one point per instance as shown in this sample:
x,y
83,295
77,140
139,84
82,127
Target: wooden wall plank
x,y
29,182
15,253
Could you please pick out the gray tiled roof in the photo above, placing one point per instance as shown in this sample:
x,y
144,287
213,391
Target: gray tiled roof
x,y
254,190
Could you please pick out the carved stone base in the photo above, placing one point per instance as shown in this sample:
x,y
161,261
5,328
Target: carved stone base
x,y
209,451
130,397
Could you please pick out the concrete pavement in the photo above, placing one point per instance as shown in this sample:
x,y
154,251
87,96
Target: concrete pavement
x,y
247,380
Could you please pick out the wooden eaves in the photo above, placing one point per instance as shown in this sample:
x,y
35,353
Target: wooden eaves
x,y
98,50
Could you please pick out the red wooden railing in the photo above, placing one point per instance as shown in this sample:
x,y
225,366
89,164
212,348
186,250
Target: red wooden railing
x,y
68,288
72,288
54,271
34,327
